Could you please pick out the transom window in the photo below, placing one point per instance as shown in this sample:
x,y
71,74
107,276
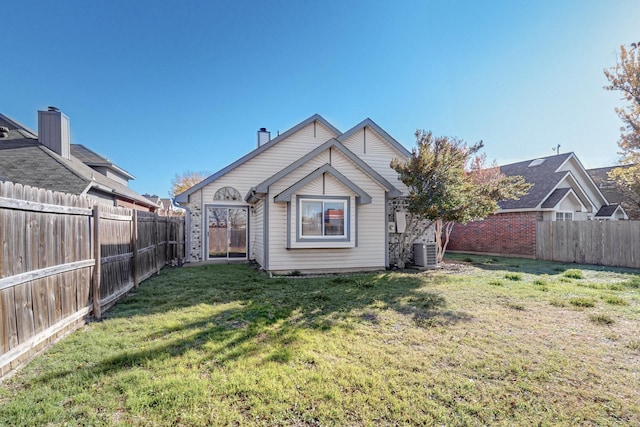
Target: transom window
x,y
322,218
227,193
564,216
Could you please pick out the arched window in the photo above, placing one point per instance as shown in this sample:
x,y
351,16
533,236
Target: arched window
x,y
227,193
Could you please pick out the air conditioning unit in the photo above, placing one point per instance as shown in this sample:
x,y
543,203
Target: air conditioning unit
x,y
425,255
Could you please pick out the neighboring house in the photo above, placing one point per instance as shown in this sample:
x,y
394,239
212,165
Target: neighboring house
x,y
562,191
615,192
48,160
165,206
311,199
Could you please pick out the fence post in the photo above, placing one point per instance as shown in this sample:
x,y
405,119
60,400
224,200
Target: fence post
x,y
134,247
155,223
166,245
97,313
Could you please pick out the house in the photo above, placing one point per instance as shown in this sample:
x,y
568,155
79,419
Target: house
x,y
562,191
311,199
48,160
615,192
165,206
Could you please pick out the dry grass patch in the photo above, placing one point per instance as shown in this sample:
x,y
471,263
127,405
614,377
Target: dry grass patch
x,y
225,345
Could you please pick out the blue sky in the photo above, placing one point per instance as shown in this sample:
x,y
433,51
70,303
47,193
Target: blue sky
x,y
162,87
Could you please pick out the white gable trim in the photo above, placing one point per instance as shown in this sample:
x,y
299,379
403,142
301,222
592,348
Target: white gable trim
x,y
586,177
571,192
567,176
263,187
183,197
285,196
371,124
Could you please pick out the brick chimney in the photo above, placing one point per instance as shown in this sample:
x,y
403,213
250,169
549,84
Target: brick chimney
x,y
54,132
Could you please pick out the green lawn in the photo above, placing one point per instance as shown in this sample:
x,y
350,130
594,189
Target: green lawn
x,y
483,341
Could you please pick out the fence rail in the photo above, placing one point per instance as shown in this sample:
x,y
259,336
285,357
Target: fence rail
x,y
612,243
58,251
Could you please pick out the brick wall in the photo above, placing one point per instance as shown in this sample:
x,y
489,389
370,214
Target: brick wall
x,y
504,233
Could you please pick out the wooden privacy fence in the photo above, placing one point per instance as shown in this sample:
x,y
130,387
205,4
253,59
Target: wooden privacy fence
x,y
57,252
612,243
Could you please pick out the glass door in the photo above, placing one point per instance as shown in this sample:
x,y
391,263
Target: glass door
x,y
227,232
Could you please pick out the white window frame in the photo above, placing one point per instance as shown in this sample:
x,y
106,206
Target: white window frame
x,y
345,237
564,216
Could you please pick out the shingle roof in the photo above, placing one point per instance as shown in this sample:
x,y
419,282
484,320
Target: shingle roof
x,y
27,162
607,211
606,185
555,197
24,160
91,158
543,177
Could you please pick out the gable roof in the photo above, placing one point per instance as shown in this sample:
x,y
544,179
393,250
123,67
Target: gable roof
x,y
24,160
285,196
263,187
27,162
607,211
93,159
182,197
556,197
544,176
11,124
370,123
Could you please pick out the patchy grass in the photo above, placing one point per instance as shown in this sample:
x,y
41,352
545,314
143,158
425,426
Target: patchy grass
x,y
601,319
582,302
513,276
225,345
573,274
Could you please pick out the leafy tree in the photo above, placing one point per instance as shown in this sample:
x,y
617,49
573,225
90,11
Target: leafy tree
x,y
182,182
449,182
625,77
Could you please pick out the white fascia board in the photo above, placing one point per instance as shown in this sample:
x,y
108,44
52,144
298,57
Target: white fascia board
x,y
285,196
373,125
183,197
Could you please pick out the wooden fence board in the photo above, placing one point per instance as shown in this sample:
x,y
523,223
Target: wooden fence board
x,y
48,267
611,243
9,318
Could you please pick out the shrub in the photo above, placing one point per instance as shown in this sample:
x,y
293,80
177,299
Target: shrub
x,y
557,303
513,276
539,282
496,283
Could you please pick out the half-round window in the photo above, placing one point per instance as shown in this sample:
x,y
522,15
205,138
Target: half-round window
x,y
227,193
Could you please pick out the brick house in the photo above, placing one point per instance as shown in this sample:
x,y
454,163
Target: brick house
x,y
562,191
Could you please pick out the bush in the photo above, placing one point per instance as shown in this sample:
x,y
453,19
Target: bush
x,y
513,276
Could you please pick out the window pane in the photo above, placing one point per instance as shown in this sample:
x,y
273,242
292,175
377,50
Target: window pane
x,y
559,216
333,219
311,218
568,216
